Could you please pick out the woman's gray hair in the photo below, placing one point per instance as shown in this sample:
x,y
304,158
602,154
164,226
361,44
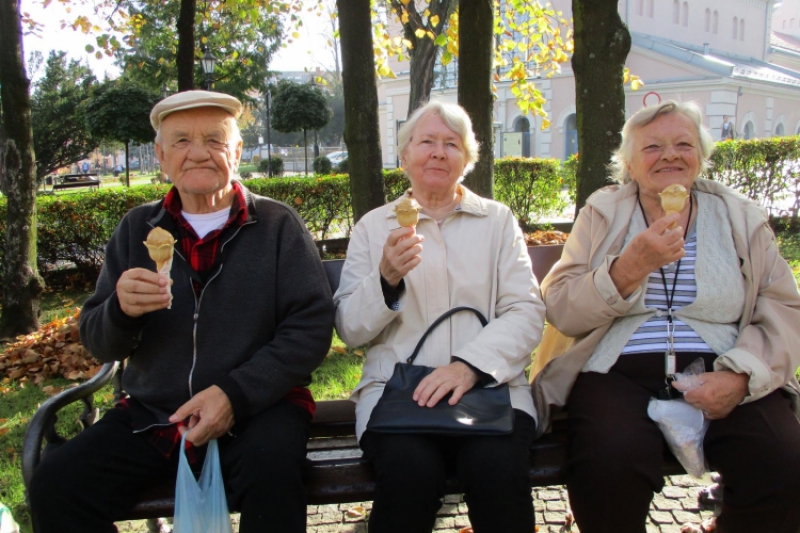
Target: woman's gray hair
x,y
454,117
646,115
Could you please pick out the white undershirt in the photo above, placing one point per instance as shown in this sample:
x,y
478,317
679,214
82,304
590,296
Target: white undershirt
x,y
205,223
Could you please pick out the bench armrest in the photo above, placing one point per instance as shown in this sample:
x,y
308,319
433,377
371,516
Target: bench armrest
x,y
43,424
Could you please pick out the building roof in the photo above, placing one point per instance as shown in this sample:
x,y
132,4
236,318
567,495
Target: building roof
x,y
785,41
716,62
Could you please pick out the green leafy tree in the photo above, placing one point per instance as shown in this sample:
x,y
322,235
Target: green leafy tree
x,y
243,46
120,112
299,106
60,135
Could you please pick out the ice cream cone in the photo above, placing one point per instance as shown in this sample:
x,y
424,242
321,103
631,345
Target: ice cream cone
x,y
407,211
673,199
160,246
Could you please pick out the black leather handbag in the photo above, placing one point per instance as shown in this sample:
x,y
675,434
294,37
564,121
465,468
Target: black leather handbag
x,y
480,411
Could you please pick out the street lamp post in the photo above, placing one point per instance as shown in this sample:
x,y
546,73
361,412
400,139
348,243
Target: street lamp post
x,y
269,143
316,132
209,62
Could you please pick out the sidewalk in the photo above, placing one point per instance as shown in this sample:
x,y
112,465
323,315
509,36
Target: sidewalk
x,y
675,506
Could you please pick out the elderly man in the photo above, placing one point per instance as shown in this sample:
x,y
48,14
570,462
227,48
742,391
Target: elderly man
x,y
225,354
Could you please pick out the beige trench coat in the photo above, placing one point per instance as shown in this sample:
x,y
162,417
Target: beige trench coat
x,y
478,258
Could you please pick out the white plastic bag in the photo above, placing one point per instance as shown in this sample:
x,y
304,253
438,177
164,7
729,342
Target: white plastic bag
x,y
7,524
200,506
683,425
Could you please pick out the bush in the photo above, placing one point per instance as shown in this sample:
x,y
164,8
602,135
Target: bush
x,y
344,166
255,160
276,164
532,188
765,170
322,166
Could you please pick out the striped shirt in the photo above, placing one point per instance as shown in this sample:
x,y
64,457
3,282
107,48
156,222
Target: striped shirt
x,y
652,335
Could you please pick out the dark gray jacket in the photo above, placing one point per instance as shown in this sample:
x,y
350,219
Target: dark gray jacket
x,y
260,326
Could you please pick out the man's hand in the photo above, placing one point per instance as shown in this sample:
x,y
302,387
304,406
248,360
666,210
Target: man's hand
x,y
653,248
400,254
210,415
141,291
718,394
456,377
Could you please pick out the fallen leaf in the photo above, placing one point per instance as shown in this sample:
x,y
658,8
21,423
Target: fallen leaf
x,y
466,530
358,352
355,512
3,431
338,349
3,420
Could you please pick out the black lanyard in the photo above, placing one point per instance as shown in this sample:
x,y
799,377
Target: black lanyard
x,y
669,355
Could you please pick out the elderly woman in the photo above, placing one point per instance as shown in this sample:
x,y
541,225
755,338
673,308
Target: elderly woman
x,y
638,295
465,251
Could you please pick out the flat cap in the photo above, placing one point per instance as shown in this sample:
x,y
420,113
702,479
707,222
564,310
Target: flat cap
x,y
191,100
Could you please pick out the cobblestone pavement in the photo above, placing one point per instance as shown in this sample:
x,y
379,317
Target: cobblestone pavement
x,y
675,506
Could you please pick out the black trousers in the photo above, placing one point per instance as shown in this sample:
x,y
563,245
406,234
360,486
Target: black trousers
x,y
615,453
410,472
91,481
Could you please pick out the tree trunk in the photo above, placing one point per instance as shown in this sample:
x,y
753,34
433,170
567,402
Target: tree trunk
x,y
423,60
185,57
423,52
602,43
476,42
361,133
21,282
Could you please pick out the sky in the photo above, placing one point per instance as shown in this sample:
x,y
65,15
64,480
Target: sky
x,y
308,51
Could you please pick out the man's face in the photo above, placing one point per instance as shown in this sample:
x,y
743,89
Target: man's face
x,y
199,150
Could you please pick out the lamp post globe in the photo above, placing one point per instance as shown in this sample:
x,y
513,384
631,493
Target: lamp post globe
x,y
208,62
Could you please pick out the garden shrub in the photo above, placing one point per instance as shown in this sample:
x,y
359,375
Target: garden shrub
x,y
532,188
322,165
276,162
765,170
344,166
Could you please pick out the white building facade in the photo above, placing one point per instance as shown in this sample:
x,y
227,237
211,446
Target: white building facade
x,y
736,58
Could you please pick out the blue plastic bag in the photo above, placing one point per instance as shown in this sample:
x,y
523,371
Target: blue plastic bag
x,y
200,505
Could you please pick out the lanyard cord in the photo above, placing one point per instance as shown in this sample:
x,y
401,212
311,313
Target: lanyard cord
x,y
669,295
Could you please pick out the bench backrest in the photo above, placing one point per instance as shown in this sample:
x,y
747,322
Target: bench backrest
x,y
542,260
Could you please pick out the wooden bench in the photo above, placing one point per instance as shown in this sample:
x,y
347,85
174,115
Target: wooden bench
x,y
73,181
338,472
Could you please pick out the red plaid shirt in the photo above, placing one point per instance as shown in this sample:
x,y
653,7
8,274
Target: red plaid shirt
x,y
201,254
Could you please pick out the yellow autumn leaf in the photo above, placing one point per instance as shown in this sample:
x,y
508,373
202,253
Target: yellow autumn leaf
x,y
545,124
404,17
420,33
358,352
434,20
338,349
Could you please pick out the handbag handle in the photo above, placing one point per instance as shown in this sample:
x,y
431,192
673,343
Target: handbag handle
x,y
438,321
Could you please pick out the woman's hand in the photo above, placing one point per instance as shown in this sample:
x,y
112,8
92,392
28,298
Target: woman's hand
x,y
400,254
456,377
653,248
718,394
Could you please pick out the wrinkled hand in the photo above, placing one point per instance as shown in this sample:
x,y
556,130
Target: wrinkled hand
x,y
653,248
718,393
400,254
456,377
141,291
210,416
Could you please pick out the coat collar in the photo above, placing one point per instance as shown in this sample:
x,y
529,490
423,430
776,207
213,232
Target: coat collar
x,y
470,203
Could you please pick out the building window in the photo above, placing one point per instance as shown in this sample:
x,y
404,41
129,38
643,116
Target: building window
x,y
784,24
685,14
749,131
779,131
707,21
570,136
735,28
640,8
650,9
791,24
741,30
715,22
676,11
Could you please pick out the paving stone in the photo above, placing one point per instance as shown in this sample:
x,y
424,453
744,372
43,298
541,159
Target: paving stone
x,y
462,508
664,504
330,508
549,495
448,509
539,518
556,506
461,521
444,522
453,498
353,528
670,528
689,481
311,509
675,492
324,518
682,517
538,505
651,528
554,518
690,504
661,517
